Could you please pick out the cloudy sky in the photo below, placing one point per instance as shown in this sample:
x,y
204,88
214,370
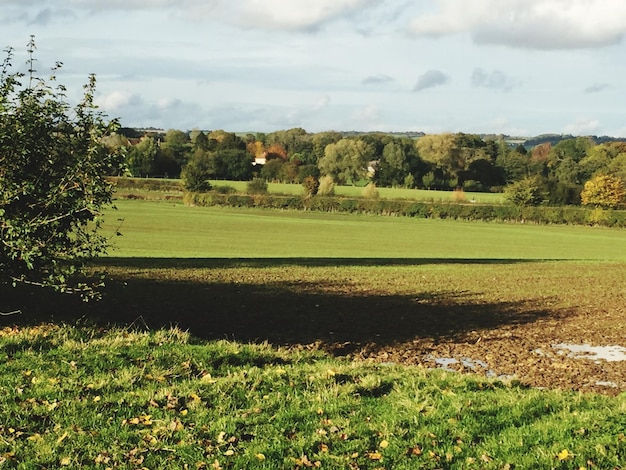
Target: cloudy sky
x,y
518,67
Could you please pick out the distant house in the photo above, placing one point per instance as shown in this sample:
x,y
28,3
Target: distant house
x,y
260,160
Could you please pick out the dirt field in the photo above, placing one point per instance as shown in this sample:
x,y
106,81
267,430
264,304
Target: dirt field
x,y
495,318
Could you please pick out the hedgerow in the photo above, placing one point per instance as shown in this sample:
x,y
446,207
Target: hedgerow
x,y
404,208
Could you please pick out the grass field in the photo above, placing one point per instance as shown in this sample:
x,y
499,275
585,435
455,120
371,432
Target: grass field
x,y
386,193
175,231
308,340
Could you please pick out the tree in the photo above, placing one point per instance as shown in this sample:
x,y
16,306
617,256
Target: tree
x,y
526,192
346,160
196,173
605,191
141,158
393,167
53,187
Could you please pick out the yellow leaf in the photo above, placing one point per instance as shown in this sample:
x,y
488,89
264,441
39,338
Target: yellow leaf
x,y
229,452
184,412
65,461
96,399
323,447
564,455
374,456
62,438
260,456
384,444
207,379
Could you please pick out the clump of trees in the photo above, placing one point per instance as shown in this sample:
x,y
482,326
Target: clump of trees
x,y
550,172
54,160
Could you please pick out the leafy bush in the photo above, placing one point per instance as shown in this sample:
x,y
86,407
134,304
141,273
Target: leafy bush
x,y
526,192
53,186
370,191
257,186
327,186
311,186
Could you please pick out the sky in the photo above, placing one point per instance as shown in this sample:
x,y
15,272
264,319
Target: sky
x,y
515,67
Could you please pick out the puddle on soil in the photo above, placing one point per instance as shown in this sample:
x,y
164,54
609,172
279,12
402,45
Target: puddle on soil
x,y
475,365
594,353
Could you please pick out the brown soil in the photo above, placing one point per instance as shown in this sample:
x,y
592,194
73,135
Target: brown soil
x,y
504,314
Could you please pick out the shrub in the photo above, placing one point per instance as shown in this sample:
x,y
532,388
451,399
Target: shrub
x,y
257,186
526,192
311,185
53,185
224,189
327,186
458,195
370,191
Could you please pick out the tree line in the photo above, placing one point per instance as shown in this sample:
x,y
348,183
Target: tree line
x,y
438,161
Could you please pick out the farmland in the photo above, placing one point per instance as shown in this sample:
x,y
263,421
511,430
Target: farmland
x,y
310,339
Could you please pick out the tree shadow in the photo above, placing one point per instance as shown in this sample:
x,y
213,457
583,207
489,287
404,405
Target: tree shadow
x,y
185,263
281,313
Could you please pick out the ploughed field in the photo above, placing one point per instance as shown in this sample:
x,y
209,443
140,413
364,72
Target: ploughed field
x,y
493,299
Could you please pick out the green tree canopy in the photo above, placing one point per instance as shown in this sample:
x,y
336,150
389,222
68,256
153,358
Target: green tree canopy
x,y
53,166
346,160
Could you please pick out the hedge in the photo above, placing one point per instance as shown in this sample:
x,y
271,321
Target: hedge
x,y
404,208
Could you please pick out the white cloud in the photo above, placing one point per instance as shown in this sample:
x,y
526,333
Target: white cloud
x,y
582,126
529,24
431,79
496,80
322,103
297,15
117,100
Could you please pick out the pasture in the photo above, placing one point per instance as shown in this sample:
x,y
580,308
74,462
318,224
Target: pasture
x,y
385,193
240,338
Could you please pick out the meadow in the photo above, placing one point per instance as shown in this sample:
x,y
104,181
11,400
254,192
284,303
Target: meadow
x,y
385,193
240,338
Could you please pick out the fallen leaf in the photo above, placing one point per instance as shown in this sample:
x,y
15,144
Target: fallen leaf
x,y
564,455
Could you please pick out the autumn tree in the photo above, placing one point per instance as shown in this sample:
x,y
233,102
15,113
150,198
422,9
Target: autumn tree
x,y
605,191
53,187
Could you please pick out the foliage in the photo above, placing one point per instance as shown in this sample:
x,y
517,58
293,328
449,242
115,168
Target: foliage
x,y
196,173
346,160
257,186
326,186
370,191
311,185
526,192
53,187
605,191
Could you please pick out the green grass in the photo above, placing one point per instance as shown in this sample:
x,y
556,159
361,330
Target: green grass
x,y
172,230
93,398
87,394
386,193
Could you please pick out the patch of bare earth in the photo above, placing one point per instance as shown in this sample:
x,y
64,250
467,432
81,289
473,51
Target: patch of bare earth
x,y
523,352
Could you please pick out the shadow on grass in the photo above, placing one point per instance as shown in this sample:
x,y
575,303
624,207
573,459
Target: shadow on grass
x,y
281,313
182,263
